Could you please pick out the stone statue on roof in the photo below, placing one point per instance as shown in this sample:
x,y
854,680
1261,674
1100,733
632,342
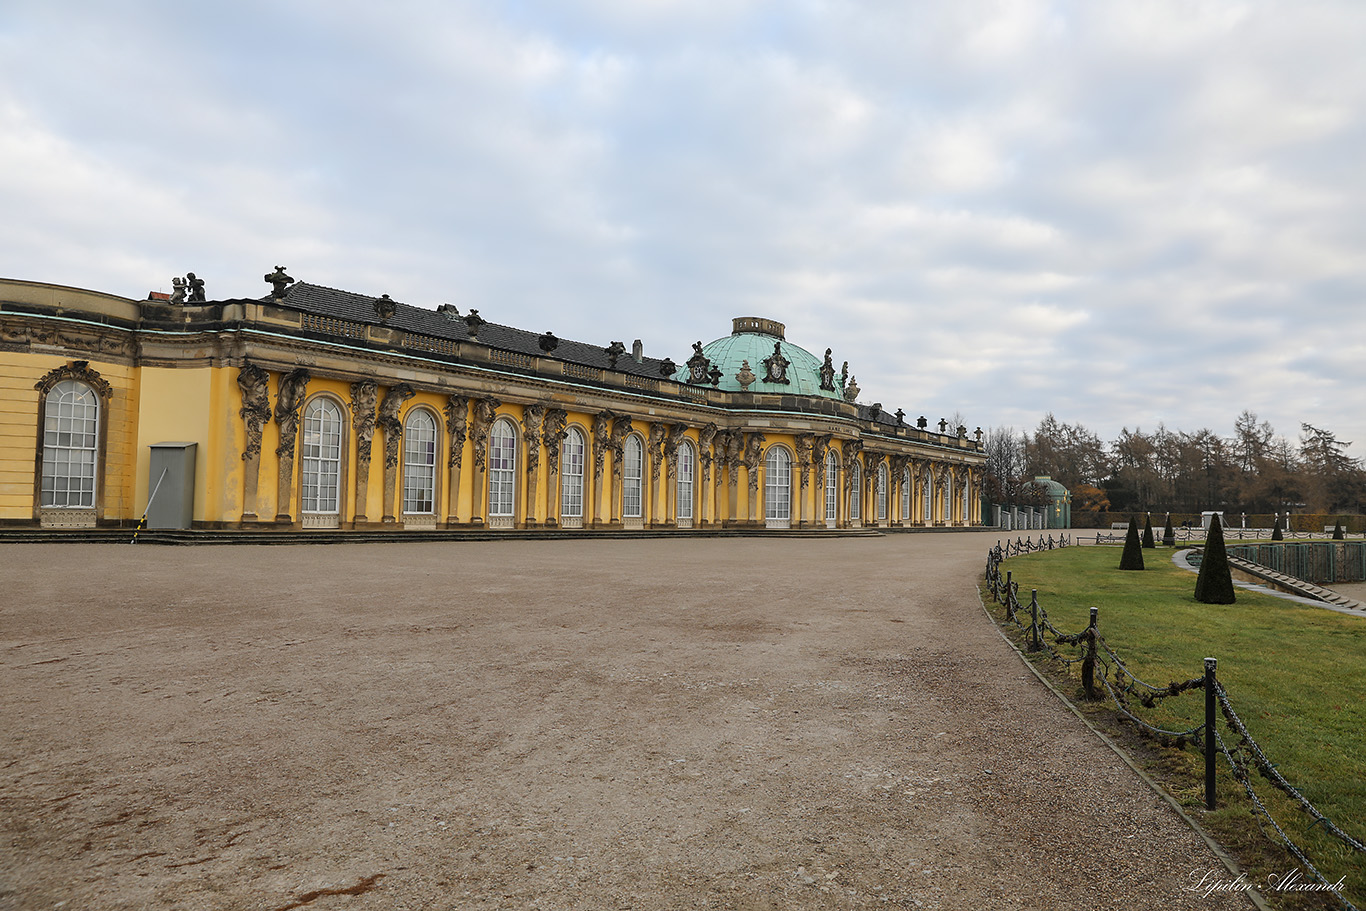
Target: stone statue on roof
x,y
196,288
699,366
280,282
828,373
775,366
177,290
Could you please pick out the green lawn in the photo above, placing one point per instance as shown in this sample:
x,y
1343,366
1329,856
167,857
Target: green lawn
x,y
1295,674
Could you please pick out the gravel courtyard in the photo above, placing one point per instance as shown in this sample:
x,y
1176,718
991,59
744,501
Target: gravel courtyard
x,y
575,724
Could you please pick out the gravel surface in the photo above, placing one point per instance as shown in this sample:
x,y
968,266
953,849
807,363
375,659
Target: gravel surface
x,y
610,724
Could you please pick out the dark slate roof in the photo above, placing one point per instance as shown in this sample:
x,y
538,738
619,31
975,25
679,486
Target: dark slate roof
x,y
360,308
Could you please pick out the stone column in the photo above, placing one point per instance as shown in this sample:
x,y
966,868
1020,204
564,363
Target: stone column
x,y
255,385
754,448
485,413
393,433
555,420
602,437
621,428
364,396
705,437
804,448
457,406
532,418
288,403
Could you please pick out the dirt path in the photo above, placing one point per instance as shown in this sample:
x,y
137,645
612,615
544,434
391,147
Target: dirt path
x,y
577,724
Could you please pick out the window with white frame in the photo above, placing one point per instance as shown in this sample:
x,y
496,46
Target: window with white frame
x,y
832,471
502,467
948,500
631,476
967,513
686,461
71,422
856,493
571,474
905,495
321,469
882,493
927,500
777,484
419,463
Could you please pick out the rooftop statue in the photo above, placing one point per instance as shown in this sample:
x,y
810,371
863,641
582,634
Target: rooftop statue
x,y
280,282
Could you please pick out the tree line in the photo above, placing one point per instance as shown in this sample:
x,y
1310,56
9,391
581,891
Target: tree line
x,y
1255,470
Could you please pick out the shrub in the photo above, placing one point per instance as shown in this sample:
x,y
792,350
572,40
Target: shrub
x,y
1337,532
1214,585
1276,533
1132,558
1148,532
1168,535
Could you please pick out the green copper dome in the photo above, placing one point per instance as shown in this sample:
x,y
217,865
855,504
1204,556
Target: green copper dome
x,y
753,340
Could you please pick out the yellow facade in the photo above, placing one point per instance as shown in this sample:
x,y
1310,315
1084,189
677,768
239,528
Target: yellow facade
x,y
284,402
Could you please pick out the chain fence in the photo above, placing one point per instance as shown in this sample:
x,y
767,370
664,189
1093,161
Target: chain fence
x,y
1106,677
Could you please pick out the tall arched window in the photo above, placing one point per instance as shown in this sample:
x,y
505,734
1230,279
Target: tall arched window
x,y
927,500
686,462
571,479
948,499
967,513
832,472
502,470
419,463
855,494
905,495
631,475
882,493
321,470
778,487
71,422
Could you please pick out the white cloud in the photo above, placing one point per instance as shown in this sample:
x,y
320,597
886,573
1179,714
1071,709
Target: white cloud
x,y
1007,208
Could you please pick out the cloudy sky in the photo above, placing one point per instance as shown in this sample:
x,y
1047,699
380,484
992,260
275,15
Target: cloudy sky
x,y
1120,212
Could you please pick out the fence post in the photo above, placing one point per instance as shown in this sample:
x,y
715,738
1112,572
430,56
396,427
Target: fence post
x,y
1088,664
1034,621
1010,607
1210,748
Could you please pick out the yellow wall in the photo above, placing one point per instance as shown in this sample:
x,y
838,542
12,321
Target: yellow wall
x,y
19,432
175,406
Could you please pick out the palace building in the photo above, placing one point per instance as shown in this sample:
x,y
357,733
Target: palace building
x,y
313,408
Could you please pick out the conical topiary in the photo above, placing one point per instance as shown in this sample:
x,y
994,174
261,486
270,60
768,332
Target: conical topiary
x,y
1168,534
1132,558
1276,533
1148,532
1214,585
1337,532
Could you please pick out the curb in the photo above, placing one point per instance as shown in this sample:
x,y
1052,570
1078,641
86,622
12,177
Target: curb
x,y
1253,895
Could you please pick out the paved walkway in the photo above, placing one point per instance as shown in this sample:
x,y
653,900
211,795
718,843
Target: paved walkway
x,y
752,724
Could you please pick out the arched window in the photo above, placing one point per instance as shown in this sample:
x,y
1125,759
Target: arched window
x,y
502,469
778,487
686,461
322,455
927,500
967,513
832,471
948,499
905,495
571,479
419,463
855,494
71,421
631,475
882,493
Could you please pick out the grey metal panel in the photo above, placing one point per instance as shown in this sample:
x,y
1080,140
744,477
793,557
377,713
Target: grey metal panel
x,y
170,485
